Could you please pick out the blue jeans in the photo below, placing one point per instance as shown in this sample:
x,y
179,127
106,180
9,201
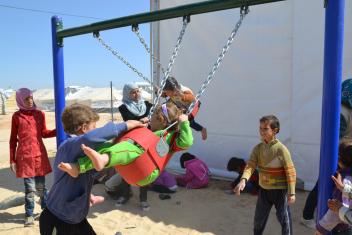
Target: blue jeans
x,y
34,185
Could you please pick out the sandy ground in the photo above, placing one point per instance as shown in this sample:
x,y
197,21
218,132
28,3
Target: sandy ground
x,y
204,211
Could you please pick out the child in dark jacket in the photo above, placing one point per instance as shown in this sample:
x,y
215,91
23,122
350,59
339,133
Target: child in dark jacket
x,y
197,172
237,165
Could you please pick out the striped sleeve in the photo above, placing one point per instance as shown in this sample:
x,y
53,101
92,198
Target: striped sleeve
x,y
251,165
289,170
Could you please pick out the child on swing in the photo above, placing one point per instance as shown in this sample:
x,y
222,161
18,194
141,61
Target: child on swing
x,y
183,97
125,152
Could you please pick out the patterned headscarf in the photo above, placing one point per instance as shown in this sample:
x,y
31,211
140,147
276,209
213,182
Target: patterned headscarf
x,y
137,108
21,95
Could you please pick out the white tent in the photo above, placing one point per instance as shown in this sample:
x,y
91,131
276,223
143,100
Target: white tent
x,y
275,66
44,99
96,97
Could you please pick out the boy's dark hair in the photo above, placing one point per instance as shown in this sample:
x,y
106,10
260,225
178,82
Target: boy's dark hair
x,y
235,164
75,115
273,121
345,151
171,84
186,157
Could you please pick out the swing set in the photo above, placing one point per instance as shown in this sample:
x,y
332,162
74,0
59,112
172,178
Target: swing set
x,y
332,71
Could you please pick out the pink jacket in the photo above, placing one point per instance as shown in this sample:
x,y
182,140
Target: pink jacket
x,y
27,149
197,175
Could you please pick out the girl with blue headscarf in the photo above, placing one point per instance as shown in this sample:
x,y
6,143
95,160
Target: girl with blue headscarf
x,y
133,107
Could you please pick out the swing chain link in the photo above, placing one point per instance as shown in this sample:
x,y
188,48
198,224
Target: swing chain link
x,y
120,57
169,67
135,29
243,12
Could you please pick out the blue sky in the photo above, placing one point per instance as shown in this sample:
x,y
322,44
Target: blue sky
x,y
26,44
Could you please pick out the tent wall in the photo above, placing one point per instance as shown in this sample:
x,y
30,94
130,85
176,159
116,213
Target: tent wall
x,y
275,66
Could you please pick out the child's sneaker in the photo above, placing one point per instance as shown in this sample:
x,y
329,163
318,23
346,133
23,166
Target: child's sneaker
x,y
309,223
28,221
145,206
121,201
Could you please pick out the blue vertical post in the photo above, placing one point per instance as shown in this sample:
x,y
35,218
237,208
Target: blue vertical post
x,y
333,55
59,82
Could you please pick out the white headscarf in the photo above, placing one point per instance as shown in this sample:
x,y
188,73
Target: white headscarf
x,y
137,108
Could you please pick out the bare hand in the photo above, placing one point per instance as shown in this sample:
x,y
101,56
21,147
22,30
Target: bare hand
x,y
182,118
13,167
291,199
131,124
239,187
317,232
144,120
338,181
334,205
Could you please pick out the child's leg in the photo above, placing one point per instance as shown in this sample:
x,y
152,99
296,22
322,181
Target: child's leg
x,y
262,211
29,185
283,213
70,168
41,190
99,160
108,155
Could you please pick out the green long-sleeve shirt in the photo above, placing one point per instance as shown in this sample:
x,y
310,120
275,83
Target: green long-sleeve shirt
x,y
276,169
124,152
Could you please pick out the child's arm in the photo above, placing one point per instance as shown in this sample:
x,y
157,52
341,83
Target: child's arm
x,y
183,180
45,132
345,213
248,171
185,137
290,173
346,189
328,222
13,142
96,137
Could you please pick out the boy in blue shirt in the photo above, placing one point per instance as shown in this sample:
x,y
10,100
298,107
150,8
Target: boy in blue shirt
x,y
69,198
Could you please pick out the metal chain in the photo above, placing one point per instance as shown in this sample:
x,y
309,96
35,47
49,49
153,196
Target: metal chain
x,y
135,29
121,58
169,67
244,11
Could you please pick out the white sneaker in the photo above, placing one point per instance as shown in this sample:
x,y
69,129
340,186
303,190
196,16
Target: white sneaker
x,y
145,206
309,223
29,221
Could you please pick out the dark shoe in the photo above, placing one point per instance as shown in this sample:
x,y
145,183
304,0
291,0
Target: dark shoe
x,y
163,196
145,206
121,201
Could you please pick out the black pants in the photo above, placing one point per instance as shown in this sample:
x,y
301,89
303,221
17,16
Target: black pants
x,y
266,199
311,203
48,221
195,125
126,189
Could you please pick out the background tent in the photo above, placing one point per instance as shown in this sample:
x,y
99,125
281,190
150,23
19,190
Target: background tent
x,y
275,66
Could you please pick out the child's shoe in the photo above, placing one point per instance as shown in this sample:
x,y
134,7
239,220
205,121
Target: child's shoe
x,y
309,223
29,221
145,206
121,201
